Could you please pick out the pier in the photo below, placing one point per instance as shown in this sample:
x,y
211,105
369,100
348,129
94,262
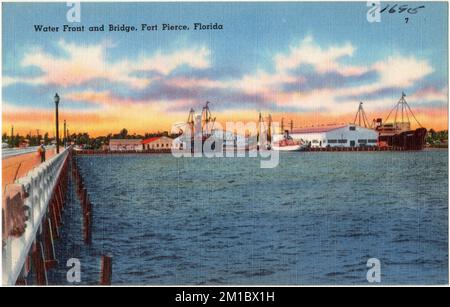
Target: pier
x,y
353,149
32,215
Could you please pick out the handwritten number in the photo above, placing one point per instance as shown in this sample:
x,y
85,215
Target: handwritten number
x,y
402,8
414,11
392,10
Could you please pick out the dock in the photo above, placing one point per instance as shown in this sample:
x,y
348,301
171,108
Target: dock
x,y
352,149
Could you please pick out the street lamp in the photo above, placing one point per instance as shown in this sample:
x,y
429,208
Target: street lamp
x,y
65,135
57,122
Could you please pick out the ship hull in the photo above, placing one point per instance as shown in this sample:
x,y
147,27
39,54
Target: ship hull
x,y
287,148
407,140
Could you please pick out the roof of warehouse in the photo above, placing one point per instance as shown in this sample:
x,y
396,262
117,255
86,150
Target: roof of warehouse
x,y
318,129
151,140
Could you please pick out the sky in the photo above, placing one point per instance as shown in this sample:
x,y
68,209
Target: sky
x,y
309,62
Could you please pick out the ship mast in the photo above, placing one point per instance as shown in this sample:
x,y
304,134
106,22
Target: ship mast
x,y
404,109
269,130
191,121
207,119
361,117
258,136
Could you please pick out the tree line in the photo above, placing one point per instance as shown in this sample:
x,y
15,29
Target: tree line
x,y
437,137
80,139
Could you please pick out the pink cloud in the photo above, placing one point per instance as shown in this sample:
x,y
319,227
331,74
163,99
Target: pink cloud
x,y
88,62
431,93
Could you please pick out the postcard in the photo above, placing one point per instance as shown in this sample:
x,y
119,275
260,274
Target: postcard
x,y
225,144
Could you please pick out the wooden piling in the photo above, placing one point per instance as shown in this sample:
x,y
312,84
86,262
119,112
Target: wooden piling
x,y
87,229
106,271
87,221
39,264
60,195
54,221
86,205
48,245
84,199
55,203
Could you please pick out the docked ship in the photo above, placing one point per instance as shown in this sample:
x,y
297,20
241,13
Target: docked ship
x,y
398,134
284,142
288,144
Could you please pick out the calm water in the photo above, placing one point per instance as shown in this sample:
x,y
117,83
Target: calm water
x,y
316,219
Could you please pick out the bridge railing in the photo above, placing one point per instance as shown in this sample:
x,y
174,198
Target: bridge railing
x,y
25,204
11,152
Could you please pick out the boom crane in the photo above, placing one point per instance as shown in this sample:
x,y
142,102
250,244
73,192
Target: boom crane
x,y
361,117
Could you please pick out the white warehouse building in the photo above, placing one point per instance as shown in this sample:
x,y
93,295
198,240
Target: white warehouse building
x,y
337,136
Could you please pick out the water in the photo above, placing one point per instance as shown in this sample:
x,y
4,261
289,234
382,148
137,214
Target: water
x,y
316,219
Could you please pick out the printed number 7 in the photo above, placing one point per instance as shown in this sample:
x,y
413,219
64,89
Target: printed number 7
x,y
407,19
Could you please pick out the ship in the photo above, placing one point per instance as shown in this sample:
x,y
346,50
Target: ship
x,y
279,142
287,143
398,134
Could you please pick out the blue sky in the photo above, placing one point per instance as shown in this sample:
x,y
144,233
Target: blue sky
x,y
263,60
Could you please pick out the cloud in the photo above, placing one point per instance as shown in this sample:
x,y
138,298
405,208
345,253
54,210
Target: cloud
x,y
314,80
324,60
83,63
311,77
431,93
402,71
7,81
101,98
186,82
165,63
307,78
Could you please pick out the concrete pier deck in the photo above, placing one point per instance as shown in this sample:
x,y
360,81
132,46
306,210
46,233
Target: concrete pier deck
x,y
18,166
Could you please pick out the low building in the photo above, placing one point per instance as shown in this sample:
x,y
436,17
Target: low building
x,y
125,145
337,136
158,143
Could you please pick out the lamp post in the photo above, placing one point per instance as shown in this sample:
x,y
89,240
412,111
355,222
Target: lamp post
x,y
65,134
57,122
12,136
